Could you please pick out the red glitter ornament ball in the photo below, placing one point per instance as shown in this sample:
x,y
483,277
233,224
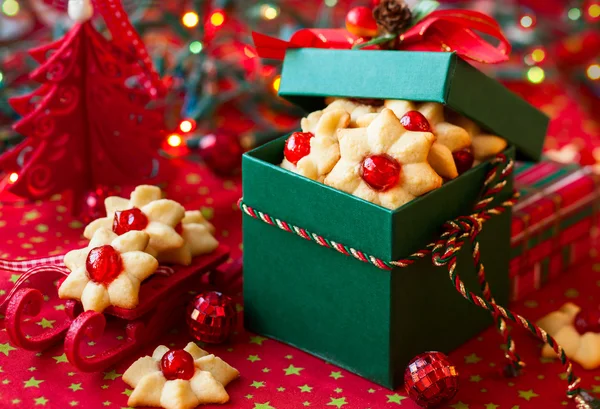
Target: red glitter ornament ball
x,y
128,220
93,204
415,121
431,380
297,146
211,317
381,172
103,264
222,152
177,364
464,160
360,22
587,320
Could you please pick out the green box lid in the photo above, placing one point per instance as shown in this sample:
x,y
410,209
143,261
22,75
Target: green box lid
x,y
309,74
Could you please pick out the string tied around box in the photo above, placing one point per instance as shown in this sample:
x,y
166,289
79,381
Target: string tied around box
x,y
444,251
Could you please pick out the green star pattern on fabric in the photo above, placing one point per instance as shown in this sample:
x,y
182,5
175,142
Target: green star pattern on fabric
x,y
491,406
14,277
112,375
6,348
41,401
292,370
60,358
73,403
266,370
460,405
305,388
15,401
257,385
106,403
258,340
249,396
44,323
281,389
127,392
306,403
338,390
337,402
472,359
336,375
475,378
32,383
253,358
528,395
75,387
395,398
266,405
371,390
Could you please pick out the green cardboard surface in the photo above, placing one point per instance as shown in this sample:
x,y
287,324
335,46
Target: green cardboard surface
x,y
350,313
309,74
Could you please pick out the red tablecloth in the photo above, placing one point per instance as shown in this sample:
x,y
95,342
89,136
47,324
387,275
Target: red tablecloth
x,y
273,375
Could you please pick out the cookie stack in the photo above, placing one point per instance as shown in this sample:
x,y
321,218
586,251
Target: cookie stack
x,y
127,246
387,152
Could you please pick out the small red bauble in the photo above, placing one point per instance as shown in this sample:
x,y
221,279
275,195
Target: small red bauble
x,y
431,380
464,160
128,220
211,317
381,172
415,121
93,206
103,264
360,22
222,152
297,146
587,321
177,364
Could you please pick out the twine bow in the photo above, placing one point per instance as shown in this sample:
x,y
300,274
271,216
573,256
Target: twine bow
x,y
444,252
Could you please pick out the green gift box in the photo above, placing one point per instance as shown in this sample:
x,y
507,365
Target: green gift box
x,y
353,314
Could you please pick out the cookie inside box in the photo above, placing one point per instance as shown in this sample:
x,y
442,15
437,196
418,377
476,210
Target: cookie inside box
x,y
387,152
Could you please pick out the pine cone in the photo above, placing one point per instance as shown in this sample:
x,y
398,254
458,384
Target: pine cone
x,y
393,16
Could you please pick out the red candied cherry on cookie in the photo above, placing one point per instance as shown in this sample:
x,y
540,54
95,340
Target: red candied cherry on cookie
x,y
464,160
103,264
127,220
587,320
381,172
177,364
415,121
297,146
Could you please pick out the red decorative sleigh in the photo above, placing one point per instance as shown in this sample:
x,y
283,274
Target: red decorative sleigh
x,y
162,297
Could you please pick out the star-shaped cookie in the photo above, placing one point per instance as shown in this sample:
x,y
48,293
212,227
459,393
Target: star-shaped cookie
x,y
324,148
384,163
179,379
198,235
581,348
108,271
144,211
449,138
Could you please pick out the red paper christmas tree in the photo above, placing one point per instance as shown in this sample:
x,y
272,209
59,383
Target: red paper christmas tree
x,y
88,124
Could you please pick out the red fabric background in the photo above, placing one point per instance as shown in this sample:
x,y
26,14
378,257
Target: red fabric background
x,y
275,375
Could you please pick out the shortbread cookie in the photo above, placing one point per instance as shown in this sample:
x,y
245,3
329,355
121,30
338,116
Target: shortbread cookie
x,y
485,146
144,211
179,379
449,138
579,339
314,152
108,271
384,163
354,107
198,235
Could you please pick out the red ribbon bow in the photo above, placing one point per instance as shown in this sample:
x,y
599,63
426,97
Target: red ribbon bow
x,y
442,30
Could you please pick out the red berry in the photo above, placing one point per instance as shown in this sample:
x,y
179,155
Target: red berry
x,y
127,220
103,264
360,22
587,321
415,121
381,172
464,160
177,364
297,146
222,152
